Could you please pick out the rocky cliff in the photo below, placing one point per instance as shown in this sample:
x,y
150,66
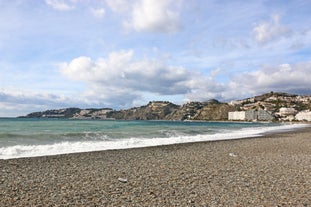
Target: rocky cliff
x,y
156,110
214,112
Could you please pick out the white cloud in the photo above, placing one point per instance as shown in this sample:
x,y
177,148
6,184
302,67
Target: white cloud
x,y
124,79
98,12
290,78
16,109
121,71
29,97
61,5
16,102
154,16
268,31
120,81
119,6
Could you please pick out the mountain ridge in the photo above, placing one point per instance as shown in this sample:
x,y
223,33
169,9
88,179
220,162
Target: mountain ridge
x,y
212,110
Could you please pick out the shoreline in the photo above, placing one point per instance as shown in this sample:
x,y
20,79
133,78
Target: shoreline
x,y
20,151
270,170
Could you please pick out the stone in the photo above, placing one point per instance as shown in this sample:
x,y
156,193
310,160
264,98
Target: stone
x,y
122,180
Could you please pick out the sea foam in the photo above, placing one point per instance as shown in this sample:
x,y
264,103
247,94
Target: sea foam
x,y
64,147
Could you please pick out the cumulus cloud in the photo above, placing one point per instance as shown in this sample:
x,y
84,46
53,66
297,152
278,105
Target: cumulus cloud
x,y
271,30
290,78
120,76
204,88
154,16
122,71
122,80
141,15
61,5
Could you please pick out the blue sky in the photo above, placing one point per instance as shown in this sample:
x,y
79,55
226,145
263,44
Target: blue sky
x,y
125,53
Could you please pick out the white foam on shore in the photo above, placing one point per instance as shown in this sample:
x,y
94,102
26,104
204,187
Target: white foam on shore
x,y
66,147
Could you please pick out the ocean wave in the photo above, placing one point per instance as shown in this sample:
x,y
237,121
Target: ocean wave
x,y
65,147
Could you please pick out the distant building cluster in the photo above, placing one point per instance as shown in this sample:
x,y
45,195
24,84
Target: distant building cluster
x,y
291,114
272,106
284,114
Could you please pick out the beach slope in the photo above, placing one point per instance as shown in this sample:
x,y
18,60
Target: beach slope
x,y
274,170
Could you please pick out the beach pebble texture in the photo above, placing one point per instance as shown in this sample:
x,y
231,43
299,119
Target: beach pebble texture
x,y
274,170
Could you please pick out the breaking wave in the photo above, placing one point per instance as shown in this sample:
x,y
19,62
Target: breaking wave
x,y
99,141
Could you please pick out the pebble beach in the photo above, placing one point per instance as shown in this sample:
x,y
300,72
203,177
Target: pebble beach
x,y
272,170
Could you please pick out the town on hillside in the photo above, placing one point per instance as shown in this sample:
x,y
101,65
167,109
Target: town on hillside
x,y
271,106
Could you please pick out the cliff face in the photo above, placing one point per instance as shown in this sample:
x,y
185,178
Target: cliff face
x,y
157,110
92,114
186,111
215,112
210,110
277,104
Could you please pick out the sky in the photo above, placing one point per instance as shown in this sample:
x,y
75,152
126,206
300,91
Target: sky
x,y
125,53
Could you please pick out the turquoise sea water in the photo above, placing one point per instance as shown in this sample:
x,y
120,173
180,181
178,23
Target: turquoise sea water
x,y
37,137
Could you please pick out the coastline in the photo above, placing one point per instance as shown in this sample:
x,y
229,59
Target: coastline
x,y
265,171
84,140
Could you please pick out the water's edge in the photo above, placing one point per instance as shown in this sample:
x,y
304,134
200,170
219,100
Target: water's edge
x,y
59,137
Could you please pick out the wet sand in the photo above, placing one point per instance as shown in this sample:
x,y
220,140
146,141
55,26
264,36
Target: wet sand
x,y
274,170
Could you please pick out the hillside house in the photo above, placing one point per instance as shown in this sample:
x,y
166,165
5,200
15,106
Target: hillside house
x,y
287,111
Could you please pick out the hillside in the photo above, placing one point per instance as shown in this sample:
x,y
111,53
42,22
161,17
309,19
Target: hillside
x,y
274,102
282,106
156,110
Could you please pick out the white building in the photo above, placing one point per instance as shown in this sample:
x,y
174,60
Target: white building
x,y
260,115
287,111
303,116
237,115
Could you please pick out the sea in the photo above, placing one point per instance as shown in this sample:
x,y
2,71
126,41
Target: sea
x,y
26,137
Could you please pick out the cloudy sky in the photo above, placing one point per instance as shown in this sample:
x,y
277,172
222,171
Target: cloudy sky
x,y
124,53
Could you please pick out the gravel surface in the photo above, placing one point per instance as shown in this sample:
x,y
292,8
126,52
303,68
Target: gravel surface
x,y
274,170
